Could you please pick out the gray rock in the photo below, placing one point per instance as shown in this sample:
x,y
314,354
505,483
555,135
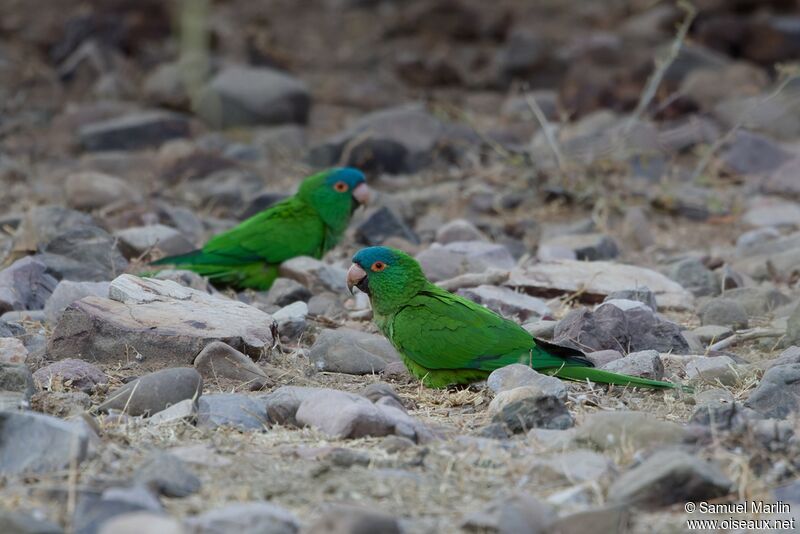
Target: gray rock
x,y
282,403
712,370
602,357
517,375
770,114
610,328
382,224
752,154
165,84
139,522
67,292
778,393
768,212
459,257
41,224
604,519
344,519
351,351
12,350
31,442
248,96
24,285
623,430
17,522
518,512
291,320
725,312
789,355
378,390
344,415
507,302
162,322
138,130
231,409
137,240
712,333
244,518
220,360
757,300
155,391
670,477
579,465
595,280
696,277
91,190
538,407
95,511
458,230
396,140
719,413
641,294
168,475
10,329
16,377
542,328
315,274
77,374
782,181
285,291
586,247
83,253
325,305
183,411
644,364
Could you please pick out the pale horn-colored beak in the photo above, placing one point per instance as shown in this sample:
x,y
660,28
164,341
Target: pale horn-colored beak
x,y
355,275
361,193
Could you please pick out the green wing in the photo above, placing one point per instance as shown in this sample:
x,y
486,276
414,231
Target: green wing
x,y
439,330
288,229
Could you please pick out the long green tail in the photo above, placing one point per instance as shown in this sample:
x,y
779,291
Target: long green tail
x,y
607,377
225,270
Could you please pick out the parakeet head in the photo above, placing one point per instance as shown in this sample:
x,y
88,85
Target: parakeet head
x,y
389,276
335,194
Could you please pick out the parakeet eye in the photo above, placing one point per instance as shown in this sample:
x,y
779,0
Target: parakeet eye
x,y
378,266
341,187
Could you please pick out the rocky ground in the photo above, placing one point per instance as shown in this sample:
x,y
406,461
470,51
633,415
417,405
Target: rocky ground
x,y
620,175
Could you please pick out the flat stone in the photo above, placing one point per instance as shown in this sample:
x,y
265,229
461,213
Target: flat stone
x,y
220,360
158,321
670,477
231,409
137,240
778,393
91,190
67,292
31,442
155,391
507,302
135,131
644,364
24,285
516,375
619,430
594,281
245,518
351,351
248,96
74,373
183,411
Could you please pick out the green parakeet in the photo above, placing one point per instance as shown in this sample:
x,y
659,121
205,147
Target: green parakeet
x,y
307,224
445,339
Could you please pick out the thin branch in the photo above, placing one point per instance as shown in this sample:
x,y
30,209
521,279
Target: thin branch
x,y
546,128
